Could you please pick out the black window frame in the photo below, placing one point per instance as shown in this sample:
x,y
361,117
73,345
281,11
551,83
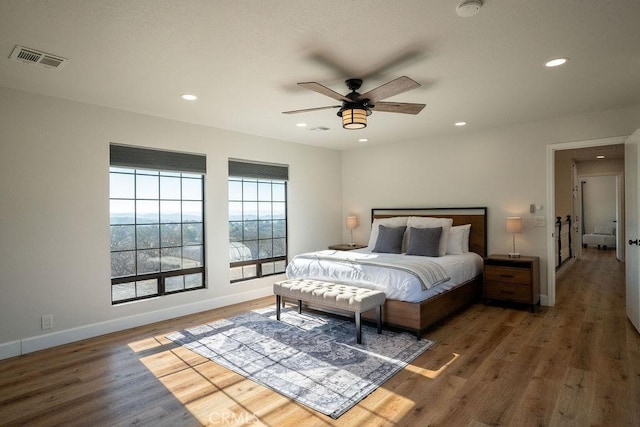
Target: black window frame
x,y
246,171
126,160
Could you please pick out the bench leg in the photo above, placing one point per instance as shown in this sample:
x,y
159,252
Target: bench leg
x,y
278,299
299,306
379,318
358,328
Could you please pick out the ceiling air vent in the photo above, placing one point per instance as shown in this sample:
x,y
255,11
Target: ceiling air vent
x,y
32,56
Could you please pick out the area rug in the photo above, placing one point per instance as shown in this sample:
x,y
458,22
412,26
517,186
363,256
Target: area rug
x,y
311,358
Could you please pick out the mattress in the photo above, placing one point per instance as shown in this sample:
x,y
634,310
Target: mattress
x,y
396,283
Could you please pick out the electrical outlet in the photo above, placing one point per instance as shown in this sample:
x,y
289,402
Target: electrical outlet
x,y
47,321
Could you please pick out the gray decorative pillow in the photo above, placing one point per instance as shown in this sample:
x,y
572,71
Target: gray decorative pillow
x,y
389,239
424,241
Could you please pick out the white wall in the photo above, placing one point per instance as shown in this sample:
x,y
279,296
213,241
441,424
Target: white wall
x,y
54,216
503,169
564,185
599,201
601,167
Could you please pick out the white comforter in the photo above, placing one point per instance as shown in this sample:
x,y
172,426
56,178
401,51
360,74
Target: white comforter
x,y
396,283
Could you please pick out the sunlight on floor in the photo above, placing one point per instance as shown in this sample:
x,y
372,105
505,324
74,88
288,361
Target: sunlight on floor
x,y
431,374
212,394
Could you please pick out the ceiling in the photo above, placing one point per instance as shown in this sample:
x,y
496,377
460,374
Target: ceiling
x,y
243,58
609,152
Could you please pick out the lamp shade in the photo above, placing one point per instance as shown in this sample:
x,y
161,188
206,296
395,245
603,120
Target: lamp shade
x,y
352,222
354,118
514,224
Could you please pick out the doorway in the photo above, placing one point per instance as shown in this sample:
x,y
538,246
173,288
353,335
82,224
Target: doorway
x,y
601,208
575,149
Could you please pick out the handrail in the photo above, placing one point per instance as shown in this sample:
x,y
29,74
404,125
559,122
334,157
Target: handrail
x,y
559,223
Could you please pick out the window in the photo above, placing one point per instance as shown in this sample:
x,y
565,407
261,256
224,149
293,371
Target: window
x,y
257,219
157,223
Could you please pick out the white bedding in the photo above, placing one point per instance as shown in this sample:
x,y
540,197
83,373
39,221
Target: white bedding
x,y
396,284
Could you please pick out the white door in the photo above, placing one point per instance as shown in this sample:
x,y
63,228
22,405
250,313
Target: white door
x,y
632,186
620,241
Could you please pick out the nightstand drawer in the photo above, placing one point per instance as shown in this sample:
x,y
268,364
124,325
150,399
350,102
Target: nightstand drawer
x,y
507,275
504,291
512,279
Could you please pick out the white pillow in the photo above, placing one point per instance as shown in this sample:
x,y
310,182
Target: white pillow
x,y
396,221
465,240
454,245
429,222
459,239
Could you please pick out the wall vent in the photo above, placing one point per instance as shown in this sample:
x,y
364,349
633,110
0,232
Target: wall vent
x,y
33,56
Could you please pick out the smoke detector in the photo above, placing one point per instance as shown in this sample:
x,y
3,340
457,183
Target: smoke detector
x,y
468,8
33,56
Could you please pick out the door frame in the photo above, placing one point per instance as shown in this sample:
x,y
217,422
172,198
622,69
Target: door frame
x,y
550,298
619,210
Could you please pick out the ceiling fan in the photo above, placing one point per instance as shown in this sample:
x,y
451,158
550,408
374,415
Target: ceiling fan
x,y
356,107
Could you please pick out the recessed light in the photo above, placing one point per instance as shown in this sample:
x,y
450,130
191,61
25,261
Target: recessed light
x,y
301,125
600,157
460,123
363,140
188,97
556,62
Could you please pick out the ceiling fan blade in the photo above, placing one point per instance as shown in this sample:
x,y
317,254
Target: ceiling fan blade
x,y
404,58
306,110
327,59
317,87
394,87
398,107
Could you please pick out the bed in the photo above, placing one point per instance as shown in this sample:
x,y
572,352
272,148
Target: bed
x,y
421,290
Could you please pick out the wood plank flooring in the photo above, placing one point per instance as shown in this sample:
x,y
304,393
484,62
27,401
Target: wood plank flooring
x,y
575,364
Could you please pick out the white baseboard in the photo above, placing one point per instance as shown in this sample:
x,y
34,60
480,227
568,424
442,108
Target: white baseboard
x,y
544,300
41,342
10,349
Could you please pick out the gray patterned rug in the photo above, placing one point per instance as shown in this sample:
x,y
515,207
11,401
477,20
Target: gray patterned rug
x,y
310,358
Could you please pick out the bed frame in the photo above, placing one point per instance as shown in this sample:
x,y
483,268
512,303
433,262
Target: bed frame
x,y
417,317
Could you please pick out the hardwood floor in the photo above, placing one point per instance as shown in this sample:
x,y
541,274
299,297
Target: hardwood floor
x,y
574,364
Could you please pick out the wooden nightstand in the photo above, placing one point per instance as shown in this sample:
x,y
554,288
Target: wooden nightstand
x,y
346,247
512,279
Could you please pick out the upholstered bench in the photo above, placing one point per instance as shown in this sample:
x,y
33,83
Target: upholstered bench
x,y
605,240
332,295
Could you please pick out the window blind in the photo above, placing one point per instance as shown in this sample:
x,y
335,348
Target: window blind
x,y
246,169
147,158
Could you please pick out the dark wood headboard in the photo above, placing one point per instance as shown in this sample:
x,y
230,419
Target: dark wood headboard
x,y
477,217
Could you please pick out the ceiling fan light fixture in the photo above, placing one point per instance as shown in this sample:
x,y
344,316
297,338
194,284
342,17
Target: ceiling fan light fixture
x,y
354,118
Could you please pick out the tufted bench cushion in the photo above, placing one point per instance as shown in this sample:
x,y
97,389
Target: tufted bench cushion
x,y
333,295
